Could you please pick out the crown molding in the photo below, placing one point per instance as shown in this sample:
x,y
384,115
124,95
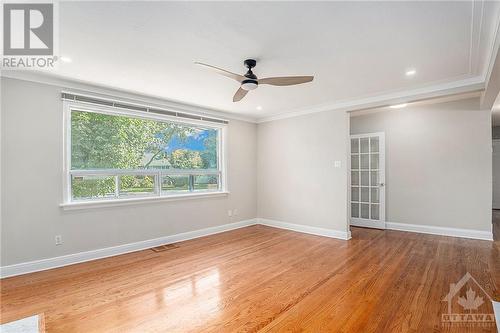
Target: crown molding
x,y
494,48
471,84
468,85
131,96
428,101
459,86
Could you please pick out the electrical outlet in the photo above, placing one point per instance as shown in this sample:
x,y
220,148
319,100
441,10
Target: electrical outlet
x,y
229,213
235,211
58,240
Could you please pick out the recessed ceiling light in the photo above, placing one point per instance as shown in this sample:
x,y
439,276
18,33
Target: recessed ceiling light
x,y
398,106
259,107
65,59
411,72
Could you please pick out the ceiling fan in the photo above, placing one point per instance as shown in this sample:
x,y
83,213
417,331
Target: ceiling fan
x,y
249,81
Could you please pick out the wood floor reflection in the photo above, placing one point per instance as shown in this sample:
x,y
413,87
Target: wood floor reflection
x,y
261,279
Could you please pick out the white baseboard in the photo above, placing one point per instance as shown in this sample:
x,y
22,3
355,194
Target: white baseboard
x,y
70,259
367,223
442,231
306,229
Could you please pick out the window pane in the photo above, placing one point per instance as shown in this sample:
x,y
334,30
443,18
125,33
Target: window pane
x,y
374,144
354,145
375,212
354,210
175,183
100,141
355,177
374,161
355,194
364,178
354,162
365,194
364,161
365,211
90,187
137,185
374,178
364,143
375,195
206,182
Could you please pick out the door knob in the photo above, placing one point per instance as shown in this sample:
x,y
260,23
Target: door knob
x,y
381,184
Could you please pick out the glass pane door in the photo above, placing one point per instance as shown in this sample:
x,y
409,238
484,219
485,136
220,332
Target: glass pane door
x,y
367,180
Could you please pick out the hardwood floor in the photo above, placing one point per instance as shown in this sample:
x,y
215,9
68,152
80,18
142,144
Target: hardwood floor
x,y
262,279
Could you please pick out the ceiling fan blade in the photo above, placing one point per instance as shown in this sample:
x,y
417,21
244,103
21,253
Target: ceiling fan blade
x,y
286,80
221,71
240,93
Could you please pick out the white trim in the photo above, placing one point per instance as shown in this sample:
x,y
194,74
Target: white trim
x,y
457,85
442,231
430,101
68,203
75,258
70,259
145,109
365,223
380,224
69,106
102,91
460,86
491,55
76,205
345,235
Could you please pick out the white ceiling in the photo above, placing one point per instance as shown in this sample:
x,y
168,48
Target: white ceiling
x,y
355,49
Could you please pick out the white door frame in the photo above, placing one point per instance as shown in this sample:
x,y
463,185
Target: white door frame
x,y
360,222
496,173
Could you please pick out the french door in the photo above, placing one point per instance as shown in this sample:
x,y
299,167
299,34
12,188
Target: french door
x,y
496,174
368,180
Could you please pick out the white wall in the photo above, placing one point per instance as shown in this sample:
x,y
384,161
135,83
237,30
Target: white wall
x,y
297,181
438,163
438,173
32,186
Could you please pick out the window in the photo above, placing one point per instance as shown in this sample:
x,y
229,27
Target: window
x,y
120,154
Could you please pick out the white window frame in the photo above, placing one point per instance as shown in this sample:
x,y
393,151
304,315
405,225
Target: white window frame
x,y
69,203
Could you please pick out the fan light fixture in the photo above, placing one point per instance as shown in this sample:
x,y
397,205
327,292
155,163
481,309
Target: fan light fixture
x,y
249,85
250,81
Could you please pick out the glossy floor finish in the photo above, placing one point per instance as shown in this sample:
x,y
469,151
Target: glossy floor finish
x,y
261,279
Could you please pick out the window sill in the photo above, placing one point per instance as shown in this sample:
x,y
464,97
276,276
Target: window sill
x,y
135,201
